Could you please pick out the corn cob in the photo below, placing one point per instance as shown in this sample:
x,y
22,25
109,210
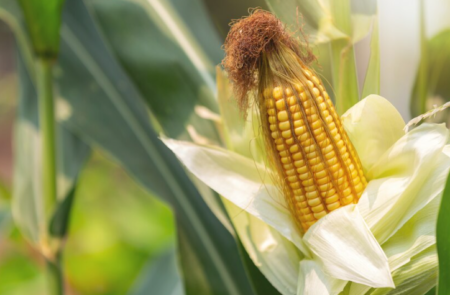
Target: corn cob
x,y
318,163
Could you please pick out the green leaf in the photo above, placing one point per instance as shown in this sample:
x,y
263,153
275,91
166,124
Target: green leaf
x,y
160,277
60,220
435,68
198,20
28,203
260,284
43,22
443,241
104,108
164,60
372,80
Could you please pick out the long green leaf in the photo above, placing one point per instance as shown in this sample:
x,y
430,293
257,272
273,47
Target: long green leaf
x,y
162,12
198,20
443,241
168,67
261,285
160,277
105,109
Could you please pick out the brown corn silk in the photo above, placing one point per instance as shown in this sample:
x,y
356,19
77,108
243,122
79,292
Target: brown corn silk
x,y
316,165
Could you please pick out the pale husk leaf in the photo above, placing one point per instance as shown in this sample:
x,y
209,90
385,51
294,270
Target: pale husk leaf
x,y
313,281
275,256
406,178
373,125
347,250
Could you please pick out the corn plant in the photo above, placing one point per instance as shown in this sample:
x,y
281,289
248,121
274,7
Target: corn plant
x,y
297,198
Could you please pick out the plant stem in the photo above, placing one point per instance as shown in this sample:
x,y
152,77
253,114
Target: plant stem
x,y
55,276
47,127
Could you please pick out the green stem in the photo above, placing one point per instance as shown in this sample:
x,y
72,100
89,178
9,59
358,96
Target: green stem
x,y
47,128
55,276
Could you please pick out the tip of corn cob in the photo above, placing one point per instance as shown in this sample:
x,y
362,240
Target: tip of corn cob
x,y
248,39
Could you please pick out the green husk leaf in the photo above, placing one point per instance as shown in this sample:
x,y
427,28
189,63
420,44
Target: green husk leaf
x,y
372,80
345,80
315,18
321,22
416,277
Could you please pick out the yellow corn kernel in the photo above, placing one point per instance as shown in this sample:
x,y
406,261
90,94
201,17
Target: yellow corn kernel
x,y
284,126
320,168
